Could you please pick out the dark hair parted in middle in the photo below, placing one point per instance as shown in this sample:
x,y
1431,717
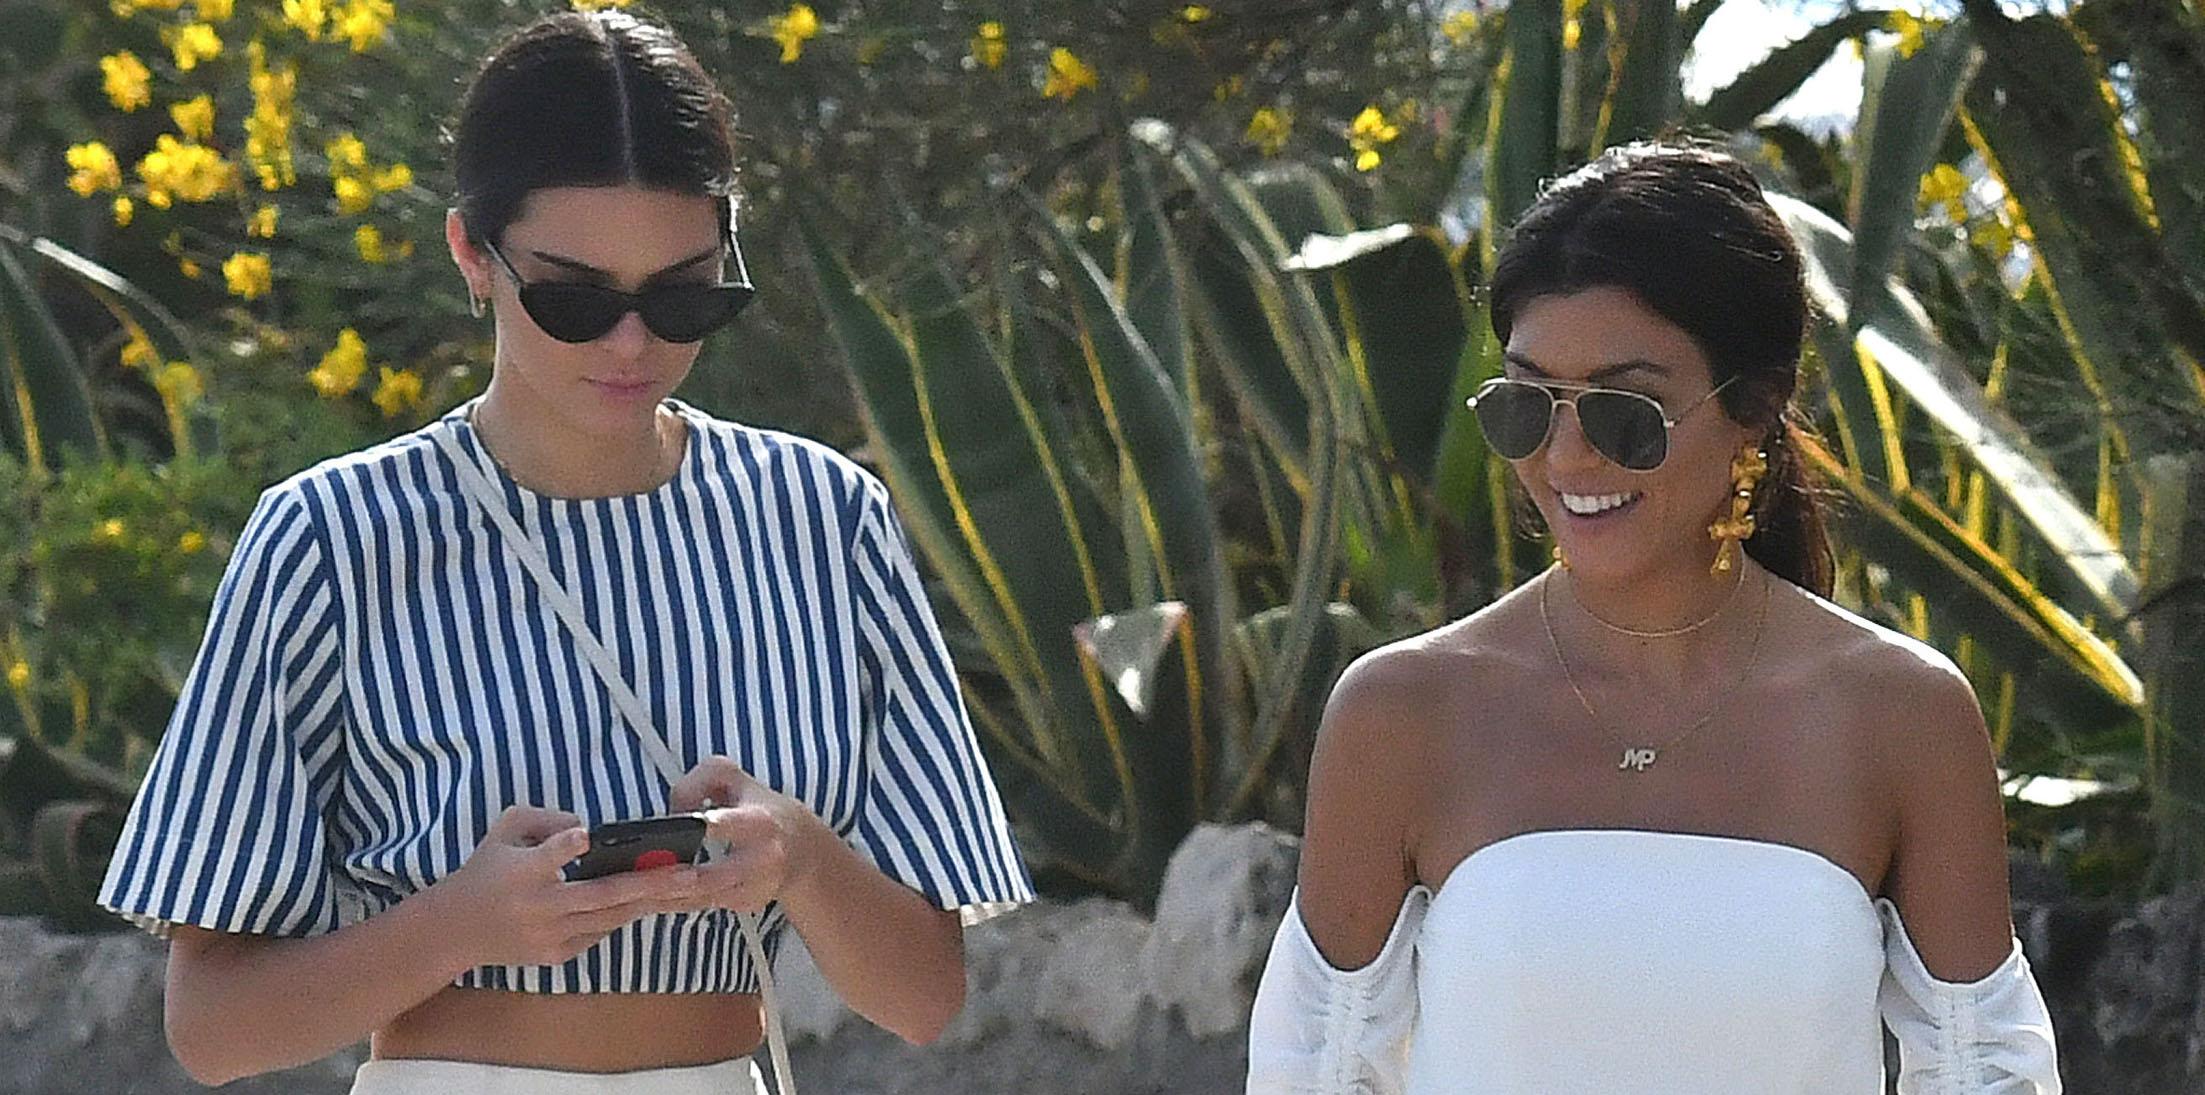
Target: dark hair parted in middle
x,y
1686,229
588,99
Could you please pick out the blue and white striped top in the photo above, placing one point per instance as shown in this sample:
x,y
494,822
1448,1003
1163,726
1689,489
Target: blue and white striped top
x,y
380,678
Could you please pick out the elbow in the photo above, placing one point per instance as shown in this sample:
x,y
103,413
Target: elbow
x,y
207,1046
926,1026
199,1052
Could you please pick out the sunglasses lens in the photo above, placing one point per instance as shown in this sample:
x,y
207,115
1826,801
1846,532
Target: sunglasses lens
x,y
1625,428
687,313
573,313
1514,417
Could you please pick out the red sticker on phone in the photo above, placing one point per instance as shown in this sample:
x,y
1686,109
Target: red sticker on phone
x,y
656,857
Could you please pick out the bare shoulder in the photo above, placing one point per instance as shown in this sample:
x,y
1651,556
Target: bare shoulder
x,y
1909,700
1918,713
1391,701
1371,779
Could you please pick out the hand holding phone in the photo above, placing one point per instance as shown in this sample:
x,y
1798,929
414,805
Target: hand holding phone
x,y
639,845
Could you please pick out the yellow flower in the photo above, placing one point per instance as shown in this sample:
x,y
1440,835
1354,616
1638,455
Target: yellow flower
x,y
308,17
111,529
794,28
93,169
192,43
1067,75
988,46
400,390
138,353
342,367
263,222
1460,26
194,118
1912,31
1194,13
189,268
369,241
124,210
192,542
1269,128
126,80
346,152
180,383
189,171
353,196
268,130
213,11
1369,130
248,275
600,5
1945,186
19,675
123,9
364,22
395,177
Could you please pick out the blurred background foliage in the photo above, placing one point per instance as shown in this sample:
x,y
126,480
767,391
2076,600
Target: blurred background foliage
x,y
1157,319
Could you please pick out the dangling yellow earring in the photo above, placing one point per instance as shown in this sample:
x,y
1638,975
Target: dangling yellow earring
x,y
1746,470
1561,558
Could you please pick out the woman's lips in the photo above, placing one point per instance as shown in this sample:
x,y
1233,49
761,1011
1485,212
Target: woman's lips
x,y
621,389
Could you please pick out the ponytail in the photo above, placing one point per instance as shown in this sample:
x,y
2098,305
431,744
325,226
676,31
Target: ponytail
x,y
1790,537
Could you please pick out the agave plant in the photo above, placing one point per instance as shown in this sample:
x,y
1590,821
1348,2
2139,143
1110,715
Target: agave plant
x,y
1339,353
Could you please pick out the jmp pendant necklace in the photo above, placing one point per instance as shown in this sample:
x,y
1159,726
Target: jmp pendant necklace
x,y
1636,757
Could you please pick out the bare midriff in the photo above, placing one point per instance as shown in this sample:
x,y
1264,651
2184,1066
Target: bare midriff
x,y
575,1032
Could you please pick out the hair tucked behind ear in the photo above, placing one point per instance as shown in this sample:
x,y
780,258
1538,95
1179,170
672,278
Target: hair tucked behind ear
x,y
1686,229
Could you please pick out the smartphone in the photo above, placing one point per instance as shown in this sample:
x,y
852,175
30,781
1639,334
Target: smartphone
x,y
638,845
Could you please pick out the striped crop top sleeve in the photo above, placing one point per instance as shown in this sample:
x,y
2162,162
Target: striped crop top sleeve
x,y
230,829
381,679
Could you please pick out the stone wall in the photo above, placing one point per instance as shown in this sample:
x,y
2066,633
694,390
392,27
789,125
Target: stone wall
x,y
1089,997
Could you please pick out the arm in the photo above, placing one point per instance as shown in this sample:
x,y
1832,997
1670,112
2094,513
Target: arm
x,y
1948,867
1358,834
240,1004
893,956
1964,1002
1336,1007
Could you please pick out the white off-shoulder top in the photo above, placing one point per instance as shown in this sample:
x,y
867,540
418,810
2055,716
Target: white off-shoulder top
x,y
1633,962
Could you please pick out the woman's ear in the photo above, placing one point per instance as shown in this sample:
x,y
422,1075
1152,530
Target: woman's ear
x,y
473,264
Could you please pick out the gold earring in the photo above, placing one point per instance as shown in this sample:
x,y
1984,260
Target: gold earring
x,y
1561,558
1746,470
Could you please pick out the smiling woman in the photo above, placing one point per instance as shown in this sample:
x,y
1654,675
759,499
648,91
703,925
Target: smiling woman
x,y
1653,831
434,666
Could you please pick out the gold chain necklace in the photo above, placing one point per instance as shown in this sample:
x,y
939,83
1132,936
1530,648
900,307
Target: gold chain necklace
x,y
1638,758
1667,632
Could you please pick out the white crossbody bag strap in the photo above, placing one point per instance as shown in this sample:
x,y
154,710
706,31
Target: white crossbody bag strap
x,y
485,495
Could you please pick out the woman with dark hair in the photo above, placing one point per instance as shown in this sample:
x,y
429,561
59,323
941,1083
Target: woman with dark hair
x,y
435,666
1663,819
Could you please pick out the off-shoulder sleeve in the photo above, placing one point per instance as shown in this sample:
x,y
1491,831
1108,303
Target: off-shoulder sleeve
x,y
229,831
1321,1030
1991,1036
932,818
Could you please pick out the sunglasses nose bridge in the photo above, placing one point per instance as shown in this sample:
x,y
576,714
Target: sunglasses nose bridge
x,y
628,335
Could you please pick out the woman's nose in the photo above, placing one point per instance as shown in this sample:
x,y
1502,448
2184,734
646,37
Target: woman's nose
x,y
1566,444
629,337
